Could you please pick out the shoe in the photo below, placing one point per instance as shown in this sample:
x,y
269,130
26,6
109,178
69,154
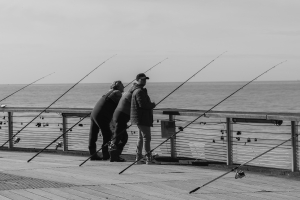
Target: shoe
x,y
150,160
105,152
105,157
119,159
96,157
114,154
139,159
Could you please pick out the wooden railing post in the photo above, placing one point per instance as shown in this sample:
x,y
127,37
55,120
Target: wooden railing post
x,y
10,130
173,141
229,141
295,159
64,129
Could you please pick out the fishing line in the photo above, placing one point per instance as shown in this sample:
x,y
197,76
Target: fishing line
x,y
190,78
255,156
83,119
25,87
182,128
55,101
155,105
235,168
147,71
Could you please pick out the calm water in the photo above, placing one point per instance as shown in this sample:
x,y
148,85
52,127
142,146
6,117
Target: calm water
x,y
258,96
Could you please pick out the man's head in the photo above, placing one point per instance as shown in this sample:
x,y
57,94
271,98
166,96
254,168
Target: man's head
x,y
117,85
141,79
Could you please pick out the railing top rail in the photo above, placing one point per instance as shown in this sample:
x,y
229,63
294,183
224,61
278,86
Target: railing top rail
x,y
231,114
50,110
170,111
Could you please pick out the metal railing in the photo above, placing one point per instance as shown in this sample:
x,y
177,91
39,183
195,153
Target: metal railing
x,y
224,136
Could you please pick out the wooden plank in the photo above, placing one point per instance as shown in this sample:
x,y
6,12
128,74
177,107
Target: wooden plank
x,y
225,196
130,192
171,191
9,194
45,194
150,191
247,196
107,189
98,193
294,194
60,192
279,196
3,197
28,194
77,192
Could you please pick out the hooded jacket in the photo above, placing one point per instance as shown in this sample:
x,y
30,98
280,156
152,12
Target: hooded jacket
x,y
124,105
141,107
107,104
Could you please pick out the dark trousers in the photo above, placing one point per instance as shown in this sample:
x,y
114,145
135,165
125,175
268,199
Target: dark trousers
x,y
96,125
120,134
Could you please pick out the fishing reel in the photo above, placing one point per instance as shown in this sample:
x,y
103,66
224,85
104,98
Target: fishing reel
x,y
239,174
59,144
39,124
17,140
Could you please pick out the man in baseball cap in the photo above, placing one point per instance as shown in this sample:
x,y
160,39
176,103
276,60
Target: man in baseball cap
x,y
141,115
141,76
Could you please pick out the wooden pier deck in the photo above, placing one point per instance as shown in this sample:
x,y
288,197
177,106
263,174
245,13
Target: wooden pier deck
x,y
51,176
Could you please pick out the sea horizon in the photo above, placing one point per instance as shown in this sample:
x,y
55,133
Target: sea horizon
x,y
265,96
157,82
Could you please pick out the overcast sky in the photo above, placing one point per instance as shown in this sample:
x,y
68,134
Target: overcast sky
x,y
72,37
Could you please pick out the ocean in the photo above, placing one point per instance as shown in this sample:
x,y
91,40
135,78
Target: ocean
x,y
276,96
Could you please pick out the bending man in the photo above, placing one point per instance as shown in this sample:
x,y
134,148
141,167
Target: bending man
x,y
120,118
101,117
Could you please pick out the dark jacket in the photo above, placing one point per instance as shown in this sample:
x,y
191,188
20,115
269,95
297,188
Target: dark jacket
x,y
124,105
141,107
107,104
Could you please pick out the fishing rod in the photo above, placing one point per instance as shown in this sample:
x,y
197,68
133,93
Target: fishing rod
x,y
25,87
83,119
182,128
55,101
147,71
236,168
156,105
190,78
222,101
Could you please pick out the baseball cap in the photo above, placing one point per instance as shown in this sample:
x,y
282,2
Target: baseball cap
x,y
141,76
